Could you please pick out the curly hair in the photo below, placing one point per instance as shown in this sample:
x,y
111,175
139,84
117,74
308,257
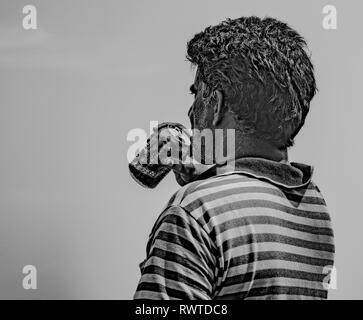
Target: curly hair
x,y
264,71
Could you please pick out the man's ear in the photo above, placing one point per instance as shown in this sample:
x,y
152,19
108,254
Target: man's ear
x,y
218,108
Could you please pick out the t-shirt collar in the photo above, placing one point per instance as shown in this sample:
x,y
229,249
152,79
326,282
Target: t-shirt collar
x,y
283,174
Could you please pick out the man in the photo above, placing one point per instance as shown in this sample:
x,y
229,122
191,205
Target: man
x,y
261,231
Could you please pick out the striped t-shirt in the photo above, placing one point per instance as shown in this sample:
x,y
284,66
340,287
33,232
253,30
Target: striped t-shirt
x,y
260,232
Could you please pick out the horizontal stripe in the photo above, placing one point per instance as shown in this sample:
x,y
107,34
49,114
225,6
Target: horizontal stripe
x,y
276,246
274,263
270,282
275,290
215,221
253,188
274,273
273,237
225,180
272,221
244,201
249,230
282,256
209,217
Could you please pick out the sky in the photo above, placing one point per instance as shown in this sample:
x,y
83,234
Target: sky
x,y
72,89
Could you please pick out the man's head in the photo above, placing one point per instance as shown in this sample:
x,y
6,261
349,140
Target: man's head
x,y
254,75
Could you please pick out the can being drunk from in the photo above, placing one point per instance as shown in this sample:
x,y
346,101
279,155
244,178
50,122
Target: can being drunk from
x,y
147,168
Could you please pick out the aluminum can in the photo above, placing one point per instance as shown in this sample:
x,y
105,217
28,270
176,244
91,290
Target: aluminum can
x,y
146,168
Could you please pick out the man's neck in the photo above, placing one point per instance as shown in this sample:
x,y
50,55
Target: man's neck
x,y
251,147
257,148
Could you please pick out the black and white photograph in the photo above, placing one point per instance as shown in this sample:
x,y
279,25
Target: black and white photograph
x,y
181,150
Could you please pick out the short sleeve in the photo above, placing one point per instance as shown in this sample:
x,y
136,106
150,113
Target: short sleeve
x,y
180,263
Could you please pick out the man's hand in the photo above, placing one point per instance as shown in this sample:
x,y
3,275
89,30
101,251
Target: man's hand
x,y
175,153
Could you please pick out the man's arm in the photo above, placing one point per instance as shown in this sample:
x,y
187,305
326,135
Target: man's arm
x,y
180,262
